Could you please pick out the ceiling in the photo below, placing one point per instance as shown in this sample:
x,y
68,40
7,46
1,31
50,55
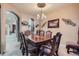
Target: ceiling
x,y
32,9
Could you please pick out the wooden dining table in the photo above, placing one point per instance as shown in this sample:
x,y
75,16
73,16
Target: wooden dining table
x,y
40,40
37,41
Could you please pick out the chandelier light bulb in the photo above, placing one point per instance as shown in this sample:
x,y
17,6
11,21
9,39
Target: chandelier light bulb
x,y
38,16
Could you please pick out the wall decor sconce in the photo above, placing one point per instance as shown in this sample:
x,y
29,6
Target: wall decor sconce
x,y
69,21
25,23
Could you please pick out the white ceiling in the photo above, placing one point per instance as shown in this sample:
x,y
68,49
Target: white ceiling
x,y
32,9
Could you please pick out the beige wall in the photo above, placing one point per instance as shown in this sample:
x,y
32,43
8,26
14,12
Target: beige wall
x,y
69,32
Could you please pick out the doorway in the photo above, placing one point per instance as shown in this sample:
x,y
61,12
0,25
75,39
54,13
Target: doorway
x,y
12,30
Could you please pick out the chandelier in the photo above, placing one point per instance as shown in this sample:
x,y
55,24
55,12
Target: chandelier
x,y
41,15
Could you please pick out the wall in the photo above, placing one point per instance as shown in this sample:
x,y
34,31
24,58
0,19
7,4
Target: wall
x,y
69,32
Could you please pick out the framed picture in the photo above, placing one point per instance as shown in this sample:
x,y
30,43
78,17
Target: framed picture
x,y
53,23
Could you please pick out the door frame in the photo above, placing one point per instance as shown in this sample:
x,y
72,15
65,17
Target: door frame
x,y
18,24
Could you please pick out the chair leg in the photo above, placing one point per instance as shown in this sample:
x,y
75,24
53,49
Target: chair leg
x,y
26,52
23,50
23,53
68,50
21,46
56,53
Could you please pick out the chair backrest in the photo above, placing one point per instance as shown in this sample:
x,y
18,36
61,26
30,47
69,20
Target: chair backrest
x,y
27,33
49,34
25,45
24,40
20,37
78,37
42,33
38,32
56,41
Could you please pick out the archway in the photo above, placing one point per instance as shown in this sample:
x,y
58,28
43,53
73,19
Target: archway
x,y
12,30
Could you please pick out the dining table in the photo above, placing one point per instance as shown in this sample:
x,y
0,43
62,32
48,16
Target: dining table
x,y
37,40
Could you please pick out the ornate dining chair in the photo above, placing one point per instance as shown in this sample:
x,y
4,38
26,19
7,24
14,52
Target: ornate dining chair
x,y
56,43
20,39
38,32
22,47
27,33
52,49
49,34
28,48
42,33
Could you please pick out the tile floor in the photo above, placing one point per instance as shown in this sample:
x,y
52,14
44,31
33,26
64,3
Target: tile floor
x,y
12,46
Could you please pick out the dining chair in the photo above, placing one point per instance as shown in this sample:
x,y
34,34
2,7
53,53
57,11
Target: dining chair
x,y
20,40
46,48
52,48
28,48
48,34
42,33
27,32
56,43
38,32
22,48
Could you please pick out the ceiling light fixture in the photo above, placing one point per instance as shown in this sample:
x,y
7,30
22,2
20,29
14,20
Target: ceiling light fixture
x,y
41,15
